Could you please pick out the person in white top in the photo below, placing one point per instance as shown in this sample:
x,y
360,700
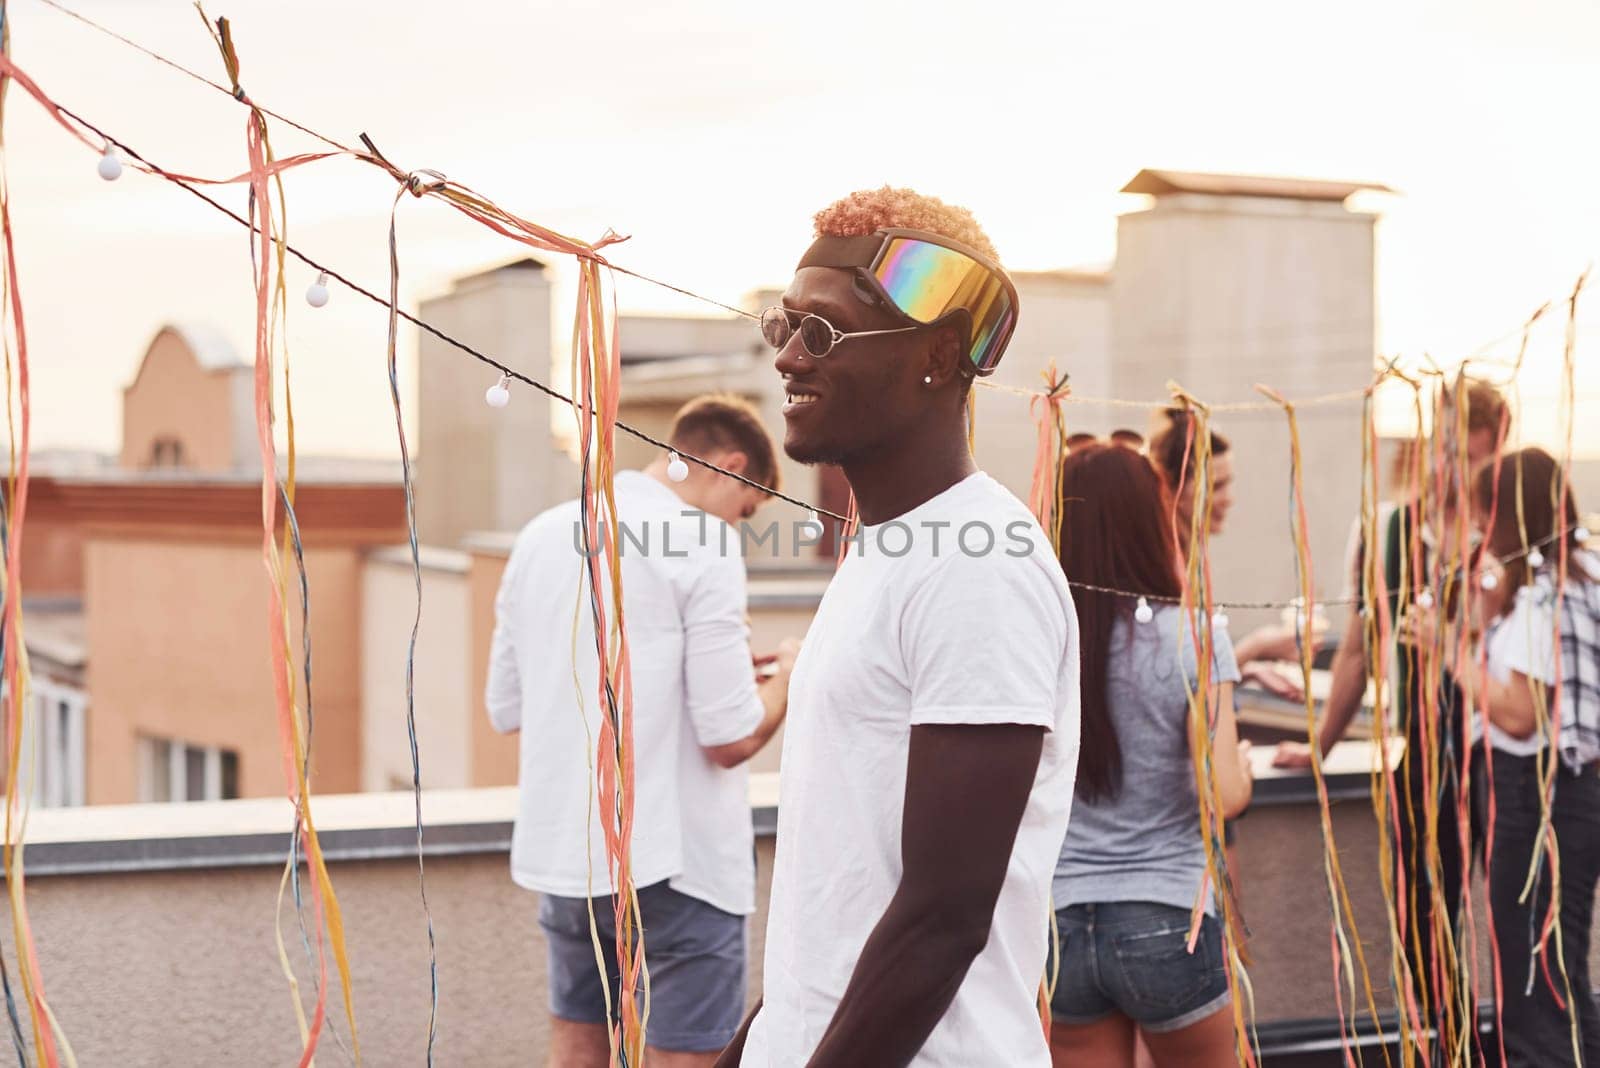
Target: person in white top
x,y
1537,683
928,764
699,714
1409,562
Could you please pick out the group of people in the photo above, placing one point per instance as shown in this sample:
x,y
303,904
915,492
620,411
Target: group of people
x,y
977,739
1481,571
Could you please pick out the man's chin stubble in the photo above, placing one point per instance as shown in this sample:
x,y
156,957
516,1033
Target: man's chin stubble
x,y
814,457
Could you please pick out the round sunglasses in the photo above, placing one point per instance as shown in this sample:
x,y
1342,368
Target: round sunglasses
x,y
817,335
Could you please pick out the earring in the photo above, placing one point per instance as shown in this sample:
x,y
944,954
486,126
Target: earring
x,y
927,379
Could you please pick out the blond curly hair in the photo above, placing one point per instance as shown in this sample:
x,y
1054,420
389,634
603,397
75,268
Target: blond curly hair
x,y
867,210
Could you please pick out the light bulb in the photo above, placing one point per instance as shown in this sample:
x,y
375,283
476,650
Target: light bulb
x,y
1580,534
317,292
1425,598
1489,580
1535,559
677,470
110,166
1144,613
1219,618
498,395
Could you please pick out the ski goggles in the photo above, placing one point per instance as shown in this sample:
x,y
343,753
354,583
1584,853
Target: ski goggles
x,y
931,279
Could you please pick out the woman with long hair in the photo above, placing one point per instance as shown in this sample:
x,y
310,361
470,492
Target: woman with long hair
x,y
1133,863
1172,450
1537,682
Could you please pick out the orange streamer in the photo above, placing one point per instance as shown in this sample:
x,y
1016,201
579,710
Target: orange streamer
x,y
14,668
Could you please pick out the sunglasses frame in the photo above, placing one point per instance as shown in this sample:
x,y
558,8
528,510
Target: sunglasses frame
x,y
1110,440
835,335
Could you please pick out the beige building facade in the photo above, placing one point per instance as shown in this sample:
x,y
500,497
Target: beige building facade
x,y
145,597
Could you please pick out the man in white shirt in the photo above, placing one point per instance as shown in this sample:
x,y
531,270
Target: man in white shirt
x,y
928,768
699,714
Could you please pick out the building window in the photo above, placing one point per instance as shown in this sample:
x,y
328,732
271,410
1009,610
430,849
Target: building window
x,y
54,778
175,771
166,452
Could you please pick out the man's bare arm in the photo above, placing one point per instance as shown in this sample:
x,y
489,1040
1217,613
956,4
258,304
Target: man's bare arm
x,y
1347,690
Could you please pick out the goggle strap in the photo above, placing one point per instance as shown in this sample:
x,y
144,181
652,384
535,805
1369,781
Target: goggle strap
x,y
846,252
857,254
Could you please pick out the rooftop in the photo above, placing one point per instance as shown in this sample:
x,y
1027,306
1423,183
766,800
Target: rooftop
x,y
92,467
211,348
55,633
1094,276
1163,183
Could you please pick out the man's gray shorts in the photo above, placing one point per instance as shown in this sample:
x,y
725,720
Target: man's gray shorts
x,y
695,953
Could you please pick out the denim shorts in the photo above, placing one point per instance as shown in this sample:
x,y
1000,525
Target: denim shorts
x,y
695,953
1132,957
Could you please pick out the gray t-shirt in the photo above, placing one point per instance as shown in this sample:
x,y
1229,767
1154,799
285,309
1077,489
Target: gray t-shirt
x,y
1144,843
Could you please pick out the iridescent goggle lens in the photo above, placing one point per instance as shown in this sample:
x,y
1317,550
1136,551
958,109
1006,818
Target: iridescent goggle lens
x,y
928,282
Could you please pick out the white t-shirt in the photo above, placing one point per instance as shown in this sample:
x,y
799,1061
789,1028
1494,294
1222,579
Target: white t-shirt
x,y
1518,641
933,636
1523,640
683,584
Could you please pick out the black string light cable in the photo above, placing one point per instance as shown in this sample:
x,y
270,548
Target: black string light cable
x,y
334,144
423,324
509,373
1329,330
1334,330
372,156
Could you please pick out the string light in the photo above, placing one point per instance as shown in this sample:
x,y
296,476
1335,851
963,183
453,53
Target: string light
x,y
317,292
110,166
110,170
813,525
1489,580
499,394
507,374
1143,612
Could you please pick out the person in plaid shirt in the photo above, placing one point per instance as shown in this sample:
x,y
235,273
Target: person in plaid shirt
x,y
1432,853
1541,701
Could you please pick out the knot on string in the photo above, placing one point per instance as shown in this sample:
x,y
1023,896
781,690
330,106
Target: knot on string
x,y
1276,397
1048,404
418,182
591,253
1186,400
1044,496
222,35
1056,389
421,182
610,237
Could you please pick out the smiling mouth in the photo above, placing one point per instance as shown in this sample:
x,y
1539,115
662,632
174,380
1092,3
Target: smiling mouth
x,y
793,402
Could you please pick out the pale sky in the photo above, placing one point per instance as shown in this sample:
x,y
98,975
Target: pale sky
x,y
710,130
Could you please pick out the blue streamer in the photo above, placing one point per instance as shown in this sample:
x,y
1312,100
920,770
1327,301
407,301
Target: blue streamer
x,y
416,624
